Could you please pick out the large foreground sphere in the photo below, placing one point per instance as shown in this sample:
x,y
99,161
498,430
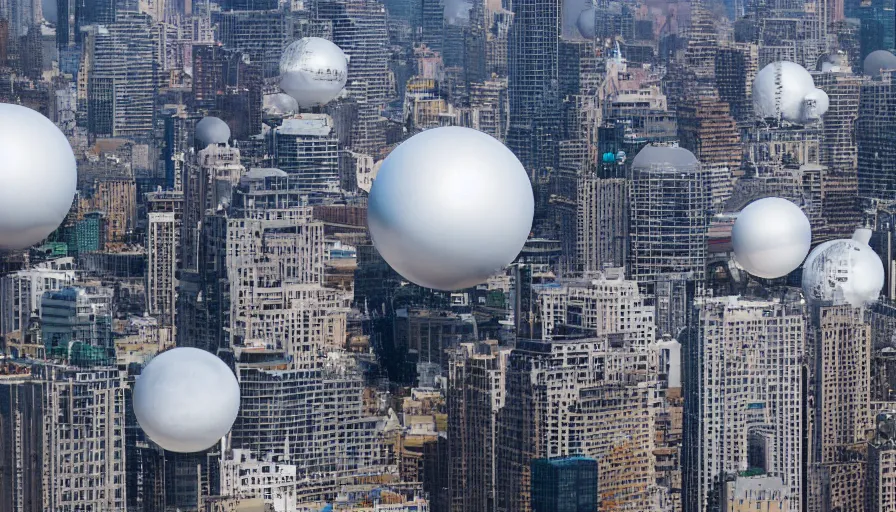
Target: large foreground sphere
x,y
877,61
212,130
843,271
796,83
450,207
38,177
586,22
313,71
186,400
771,237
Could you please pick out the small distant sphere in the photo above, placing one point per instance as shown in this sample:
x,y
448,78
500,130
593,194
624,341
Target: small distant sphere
x,y
585,23
186,400
38,178
313,71
212,130
280,104
771,237
843,271
877,61
796,83
450,207
822,103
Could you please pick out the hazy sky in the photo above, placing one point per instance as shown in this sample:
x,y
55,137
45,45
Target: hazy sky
x,y
49,8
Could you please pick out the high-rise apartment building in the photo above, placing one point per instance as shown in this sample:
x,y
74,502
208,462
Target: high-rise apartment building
x,y
121,67
208,184
307,146
476,374
163,249
359,29
840,401
262,35
63,428
874,136
76,326
603,223
21,292
117,198
533,55
707,129
667,183
568,397
602,304
880,489
744,387
736,67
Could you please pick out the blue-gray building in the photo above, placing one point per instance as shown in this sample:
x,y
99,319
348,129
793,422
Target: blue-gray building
x,y
567,484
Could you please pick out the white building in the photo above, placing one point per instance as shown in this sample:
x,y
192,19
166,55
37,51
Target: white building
x,y
745,390
245,477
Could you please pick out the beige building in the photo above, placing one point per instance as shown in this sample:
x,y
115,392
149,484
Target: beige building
x,y
756,494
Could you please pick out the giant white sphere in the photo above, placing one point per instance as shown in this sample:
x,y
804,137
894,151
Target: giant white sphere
x,y
450,207
186,400
771,237
313,71
796,83
212,130
38,177
843,271
585,23
877,61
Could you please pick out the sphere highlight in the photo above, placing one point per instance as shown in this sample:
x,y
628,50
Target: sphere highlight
x,y
186,400
313,71
450,207
38,179
771,237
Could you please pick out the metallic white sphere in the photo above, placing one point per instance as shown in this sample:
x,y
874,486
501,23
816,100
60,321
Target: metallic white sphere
x,y
212,130
771,237
821,104
186,400
586,22
38,178
877,61
313,71
796,83
280,104
450,207
843,271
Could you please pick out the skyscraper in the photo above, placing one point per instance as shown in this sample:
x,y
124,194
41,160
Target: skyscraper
x,y
51,418
307,147
122,77
533,87
165,211
874,136
880,489
740,358
603,223
476,373
668,183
